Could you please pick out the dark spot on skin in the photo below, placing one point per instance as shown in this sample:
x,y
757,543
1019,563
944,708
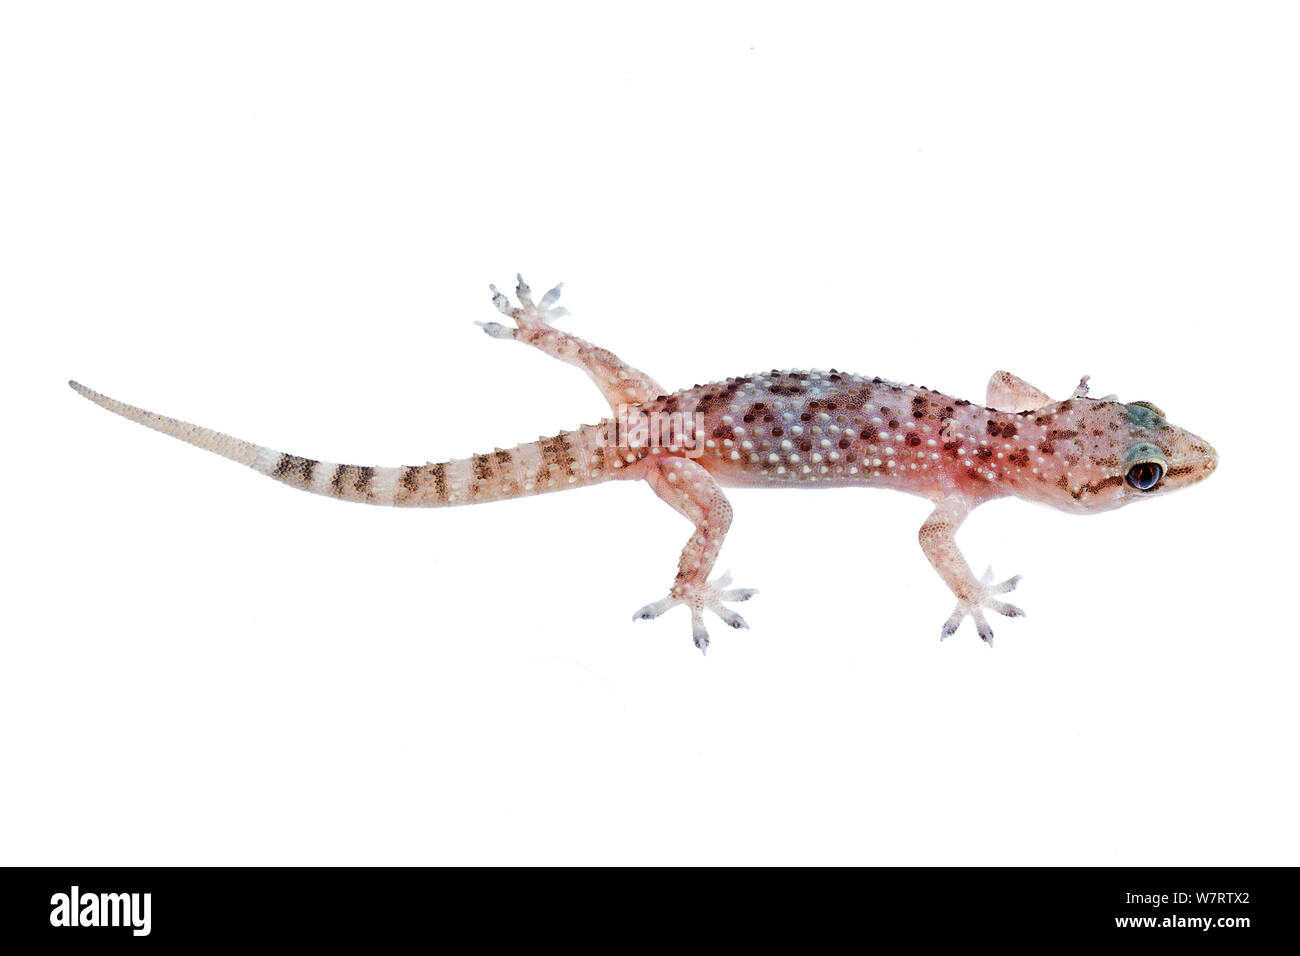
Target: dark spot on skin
x,y
806,417
1181,470
1055,435
293,470
724,431
851,457
709,402
410,482
893,423
1047,448
805,444
482,467
984,453
1094,487
1019,458
557,451
769,417
913,440
961,403
438,473
351,477
778,431
870,435
845,443
951,446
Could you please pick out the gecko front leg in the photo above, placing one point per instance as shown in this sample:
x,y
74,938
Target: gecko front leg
x,y
693,492
938,541
620,383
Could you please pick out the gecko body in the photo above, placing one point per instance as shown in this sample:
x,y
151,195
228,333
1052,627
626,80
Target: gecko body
x,y
793,429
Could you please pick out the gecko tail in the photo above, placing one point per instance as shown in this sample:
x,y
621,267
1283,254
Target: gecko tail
x,y
567,460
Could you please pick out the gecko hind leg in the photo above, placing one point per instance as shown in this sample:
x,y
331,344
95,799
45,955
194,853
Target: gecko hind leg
x,y
692,492
620,383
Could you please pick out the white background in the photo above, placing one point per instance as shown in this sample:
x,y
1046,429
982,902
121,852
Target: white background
x,y
280,220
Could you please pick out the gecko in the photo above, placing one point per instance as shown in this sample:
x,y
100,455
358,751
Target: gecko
x,y
778,429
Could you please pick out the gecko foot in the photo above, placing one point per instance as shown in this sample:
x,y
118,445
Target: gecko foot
x,y
527,315
984,600
699,599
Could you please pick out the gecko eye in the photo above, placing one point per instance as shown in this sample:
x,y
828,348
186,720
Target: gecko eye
x,y
1145,475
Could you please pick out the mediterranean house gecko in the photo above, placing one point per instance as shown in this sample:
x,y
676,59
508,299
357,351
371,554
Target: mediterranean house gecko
x,y
790,429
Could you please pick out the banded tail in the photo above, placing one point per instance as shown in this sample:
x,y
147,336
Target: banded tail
x,y
568,460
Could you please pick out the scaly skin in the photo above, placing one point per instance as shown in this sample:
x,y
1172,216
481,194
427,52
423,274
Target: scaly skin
x,y
782,429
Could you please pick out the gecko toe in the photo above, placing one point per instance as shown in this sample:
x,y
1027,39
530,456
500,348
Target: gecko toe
x,y
729,617
1006,610
699,635
496,330
551,297
1008,585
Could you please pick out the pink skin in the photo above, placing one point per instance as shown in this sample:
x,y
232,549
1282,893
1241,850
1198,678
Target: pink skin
x,y
830,429
779,430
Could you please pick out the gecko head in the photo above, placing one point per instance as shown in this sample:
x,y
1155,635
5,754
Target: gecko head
x,y
1128,452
